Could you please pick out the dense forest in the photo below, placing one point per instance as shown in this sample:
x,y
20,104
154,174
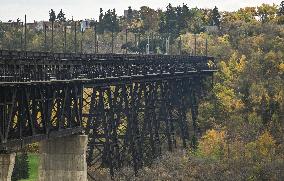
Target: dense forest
x,y
241,122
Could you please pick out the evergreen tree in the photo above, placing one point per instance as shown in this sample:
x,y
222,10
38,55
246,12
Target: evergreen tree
x,y
100,24
195,22
216,17
150,18
280,13
21,167
101,15
24,165
108,21
115,22
162,24
171,19
52,16
179,19
185,16
168,21
108,24
129,13
182,18
16,171
281,9
61,16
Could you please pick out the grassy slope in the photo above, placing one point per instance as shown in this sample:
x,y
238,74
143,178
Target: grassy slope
x,y
33,164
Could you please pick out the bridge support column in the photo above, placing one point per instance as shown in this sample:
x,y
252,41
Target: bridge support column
x,y
63,159
7,162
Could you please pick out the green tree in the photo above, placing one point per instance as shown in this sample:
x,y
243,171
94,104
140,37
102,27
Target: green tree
x,y
10,37
183,16
21,168
129,13
108,21
281,9
61,16
108,24
114,21
196,21
52,16
150,18
267,12
171,20
280,13
216,17
246,14
100,24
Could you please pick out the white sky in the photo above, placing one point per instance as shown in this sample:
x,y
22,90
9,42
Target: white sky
x,y
87,9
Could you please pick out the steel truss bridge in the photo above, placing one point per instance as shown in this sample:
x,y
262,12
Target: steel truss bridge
x,y
131,106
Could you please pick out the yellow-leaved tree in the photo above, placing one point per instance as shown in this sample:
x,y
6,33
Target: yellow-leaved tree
x,y
213,144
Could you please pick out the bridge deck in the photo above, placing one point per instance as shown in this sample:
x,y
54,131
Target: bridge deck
x,y
38,66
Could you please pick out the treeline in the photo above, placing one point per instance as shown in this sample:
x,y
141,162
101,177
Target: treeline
x,y
158,24
182,19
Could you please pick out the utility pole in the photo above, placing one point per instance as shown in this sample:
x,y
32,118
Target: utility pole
x,y
139,40
206,47
168,46
65,39
194,44
25,41
75,39
97,43
52,26
45,38
152,42
95,29
112,41
22,31
135,40
148,46
180,45
126,41
162,42
81,43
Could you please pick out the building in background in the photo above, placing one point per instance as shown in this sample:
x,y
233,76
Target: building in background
x,y
87,24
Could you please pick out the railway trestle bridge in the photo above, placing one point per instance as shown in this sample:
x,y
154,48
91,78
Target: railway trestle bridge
x,y
98,110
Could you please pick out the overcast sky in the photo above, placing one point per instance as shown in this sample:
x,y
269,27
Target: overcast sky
x,y
87,9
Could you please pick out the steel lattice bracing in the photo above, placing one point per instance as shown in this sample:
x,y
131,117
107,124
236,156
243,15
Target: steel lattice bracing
x,y
131,106
130,124
31,112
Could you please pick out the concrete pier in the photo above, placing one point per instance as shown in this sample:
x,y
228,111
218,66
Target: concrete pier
x,y
7,162
63,159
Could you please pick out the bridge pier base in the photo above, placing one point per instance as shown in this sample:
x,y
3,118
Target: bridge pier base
x,y
7,162
63,159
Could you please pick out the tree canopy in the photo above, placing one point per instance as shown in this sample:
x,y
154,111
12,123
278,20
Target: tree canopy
x,y
52,16
61,16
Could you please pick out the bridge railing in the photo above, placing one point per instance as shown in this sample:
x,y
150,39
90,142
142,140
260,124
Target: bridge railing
x,y
18,66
